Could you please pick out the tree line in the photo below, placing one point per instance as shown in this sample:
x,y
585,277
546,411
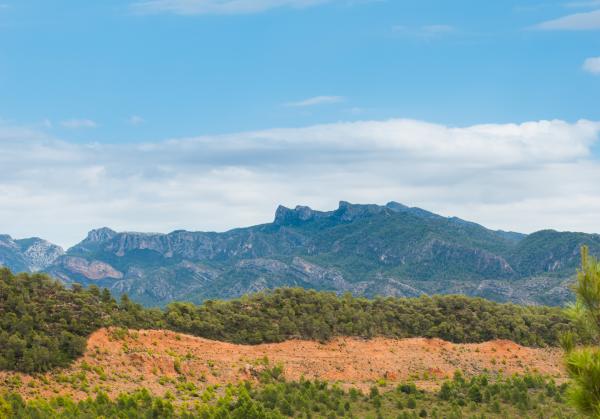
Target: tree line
x,y
281,314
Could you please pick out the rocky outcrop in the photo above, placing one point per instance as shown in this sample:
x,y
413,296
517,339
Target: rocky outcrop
x,y
93,269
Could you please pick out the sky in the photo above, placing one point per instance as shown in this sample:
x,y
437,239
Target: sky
x,y
157,115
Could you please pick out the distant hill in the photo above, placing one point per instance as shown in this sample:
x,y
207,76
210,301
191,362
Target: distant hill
x,y
28,255
368,250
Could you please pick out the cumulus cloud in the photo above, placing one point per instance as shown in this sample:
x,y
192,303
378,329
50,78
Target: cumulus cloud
x,y
79,123
314,101
592,65
574,22
201,7
513,176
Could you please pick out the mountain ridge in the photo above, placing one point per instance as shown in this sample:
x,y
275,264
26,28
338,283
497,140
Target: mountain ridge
x,y
365,249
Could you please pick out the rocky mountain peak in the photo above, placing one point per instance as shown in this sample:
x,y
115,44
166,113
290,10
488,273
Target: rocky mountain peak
x,y
28,255
100,235
300,213
94,241
304,212
345,212
282,214
39,253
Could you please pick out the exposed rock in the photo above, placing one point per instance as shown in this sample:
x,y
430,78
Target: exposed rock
x,y
100,235
28,255
40,253
320,277
90,269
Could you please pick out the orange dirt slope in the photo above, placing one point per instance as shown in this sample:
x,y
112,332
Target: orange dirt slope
x,y
159,360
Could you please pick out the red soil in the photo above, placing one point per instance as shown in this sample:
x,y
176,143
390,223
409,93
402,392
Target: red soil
x,y
150,359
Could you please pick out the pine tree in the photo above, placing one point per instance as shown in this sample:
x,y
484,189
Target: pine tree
x,y
475,394
583,364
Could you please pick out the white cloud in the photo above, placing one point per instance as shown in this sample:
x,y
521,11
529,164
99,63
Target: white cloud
x,y
592,65
79,123
523,177
200,7
136,120
574,22
314,101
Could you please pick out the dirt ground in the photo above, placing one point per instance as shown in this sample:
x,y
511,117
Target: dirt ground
x,y
162,360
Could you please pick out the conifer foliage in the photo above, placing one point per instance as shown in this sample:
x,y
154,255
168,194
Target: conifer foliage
x,y
45,325
583,363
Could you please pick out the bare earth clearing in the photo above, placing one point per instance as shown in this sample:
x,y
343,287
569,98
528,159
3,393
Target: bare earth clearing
x,y
163,360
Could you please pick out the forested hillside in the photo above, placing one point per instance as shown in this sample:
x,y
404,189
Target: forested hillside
x,y
274,398
43,324
296,313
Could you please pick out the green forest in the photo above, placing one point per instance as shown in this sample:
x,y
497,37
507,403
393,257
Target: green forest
x,y
273,397
44,324
297,313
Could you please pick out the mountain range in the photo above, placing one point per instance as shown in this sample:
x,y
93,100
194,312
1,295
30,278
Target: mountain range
x,y
368,250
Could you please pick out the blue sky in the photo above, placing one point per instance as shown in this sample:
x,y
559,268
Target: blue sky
x,y
457,63
119,77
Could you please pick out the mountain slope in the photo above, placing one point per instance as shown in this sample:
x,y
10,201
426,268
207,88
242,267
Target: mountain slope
x,y
27,255
364,249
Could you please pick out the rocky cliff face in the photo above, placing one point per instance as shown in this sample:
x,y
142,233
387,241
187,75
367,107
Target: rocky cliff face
x,y
93,270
